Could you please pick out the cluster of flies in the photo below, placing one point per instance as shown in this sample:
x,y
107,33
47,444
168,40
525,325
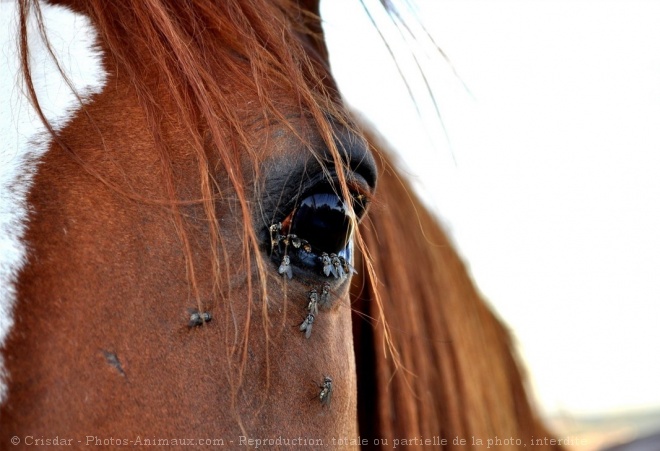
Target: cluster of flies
x,y
332,264
315,299
288,240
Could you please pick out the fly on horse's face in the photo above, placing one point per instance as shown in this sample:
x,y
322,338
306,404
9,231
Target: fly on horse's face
x,y
107,269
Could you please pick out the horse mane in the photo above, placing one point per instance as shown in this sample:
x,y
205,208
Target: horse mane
x,y
458,375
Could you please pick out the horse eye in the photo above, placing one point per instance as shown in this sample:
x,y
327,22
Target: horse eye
x,y
322,219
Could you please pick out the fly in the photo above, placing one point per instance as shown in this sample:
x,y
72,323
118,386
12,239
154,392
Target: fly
x,y
325,295
306,325
337,269
325,395
198,318
285,267
327,264
347,267
275,236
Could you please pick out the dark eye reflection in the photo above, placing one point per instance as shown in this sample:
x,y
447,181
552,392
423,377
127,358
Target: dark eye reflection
x,y
316,235
322,219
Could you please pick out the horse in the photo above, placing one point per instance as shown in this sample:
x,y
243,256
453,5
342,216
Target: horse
x,y
201,246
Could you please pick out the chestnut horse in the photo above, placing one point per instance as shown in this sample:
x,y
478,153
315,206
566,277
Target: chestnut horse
x,y
180,193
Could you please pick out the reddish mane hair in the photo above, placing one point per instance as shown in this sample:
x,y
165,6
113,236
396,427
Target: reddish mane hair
x,y
459,375
432,359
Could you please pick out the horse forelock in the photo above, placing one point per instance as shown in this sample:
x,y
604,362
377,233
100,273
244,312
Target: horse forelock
x,y
65,68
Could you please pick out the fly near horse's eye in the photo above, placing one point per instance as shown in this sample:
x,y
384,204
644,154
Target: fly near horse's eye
x,y
325,294
285,267
313,305
327,264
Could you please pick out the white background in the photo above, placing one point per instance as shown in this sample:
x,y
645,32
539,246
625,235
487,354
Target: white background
x,y
547,177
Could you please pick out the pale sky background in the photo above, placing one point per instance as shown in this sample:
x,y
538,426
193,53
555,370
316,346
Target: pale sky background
x,y
548,177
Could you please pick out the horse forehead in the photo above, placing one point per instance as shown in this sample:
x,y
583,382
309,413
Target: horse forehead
x,y
25,140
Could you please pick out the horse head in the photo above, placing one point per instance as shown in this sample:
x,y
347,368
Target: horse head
x,y
187,255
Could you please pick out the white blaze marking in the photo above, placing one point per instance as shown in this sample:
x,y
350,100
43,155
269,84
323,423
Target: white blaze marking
x,y
24,139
